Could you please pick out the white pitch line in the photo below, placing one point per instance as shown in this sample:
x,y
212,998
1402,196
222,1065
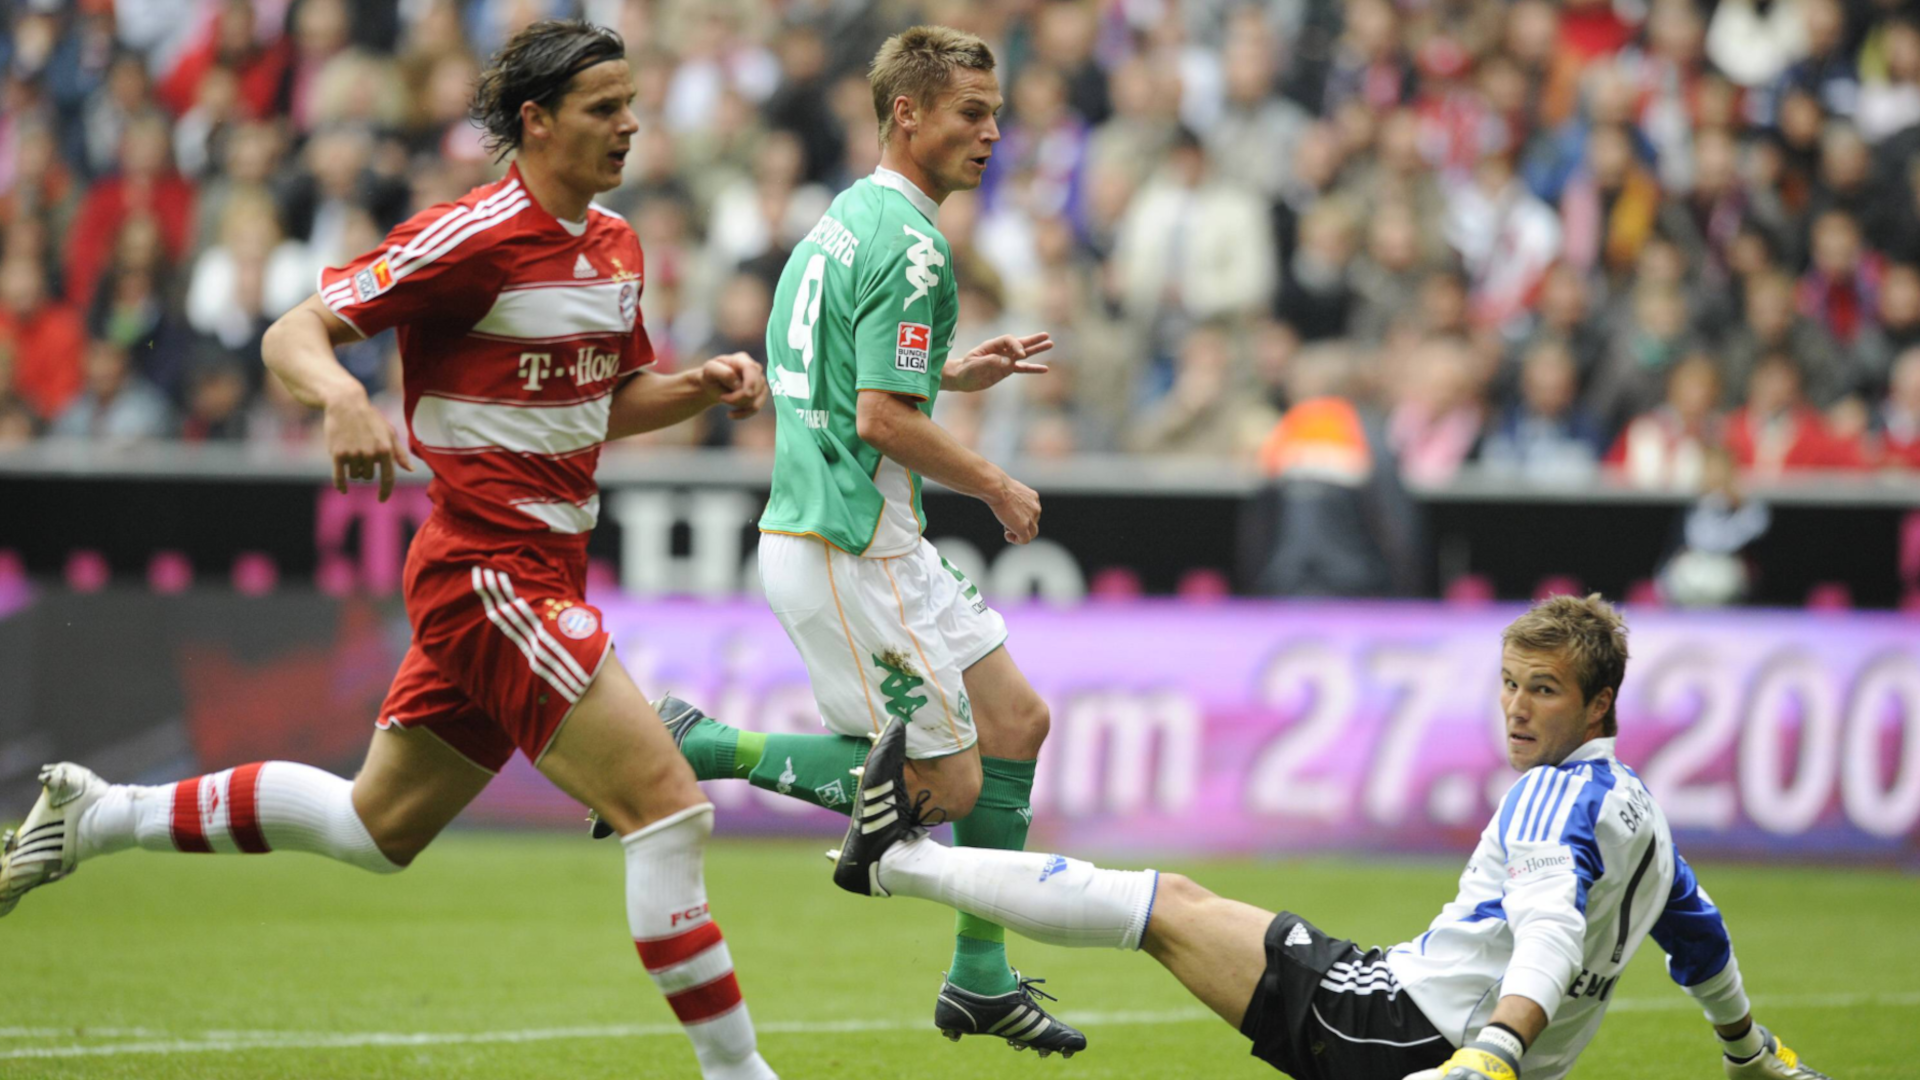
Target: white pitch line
x,y
78,1031
1782,1001
240,1041
237,1041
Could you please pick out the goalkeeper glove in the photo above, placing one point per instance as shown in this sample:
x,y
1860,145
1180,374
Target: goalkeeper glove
x,y
1760,1055
1494,1055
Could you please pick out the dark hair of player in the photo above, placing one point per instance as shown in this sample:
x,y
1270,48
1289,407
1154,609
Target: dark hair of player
x,y
537,64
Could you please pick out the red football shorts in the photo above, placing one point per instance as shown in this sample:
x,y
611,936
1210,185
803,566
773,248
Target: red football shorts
x,y
504,642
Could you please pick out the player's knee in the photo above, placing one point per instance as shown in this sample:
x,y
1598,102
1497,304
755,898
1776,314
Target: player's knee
x,y
695,828
1035,721
1179,906
677,791
1177,892
666,791
1016,729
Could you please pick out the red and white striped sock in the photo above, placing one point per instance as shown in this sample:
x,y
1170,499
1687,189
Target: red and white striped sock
x,y
681,945
253,809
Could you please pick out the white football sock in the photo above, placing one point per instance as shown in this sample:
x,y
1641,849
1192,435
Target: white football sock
x,y
681,945
1048,898
266,806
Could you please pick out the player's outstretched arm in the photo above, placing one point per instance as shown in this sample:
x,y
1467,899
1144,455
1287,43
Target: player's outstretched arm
x,y
1700,958
649,402
298,349
894,425
993,360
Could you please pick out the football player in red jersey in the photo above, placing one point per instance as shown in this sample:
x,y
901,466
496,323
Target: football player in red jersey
x,y
517,314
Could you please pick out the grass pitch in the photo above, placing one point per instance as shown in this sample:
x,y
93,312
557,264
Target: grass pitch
x,y
507,956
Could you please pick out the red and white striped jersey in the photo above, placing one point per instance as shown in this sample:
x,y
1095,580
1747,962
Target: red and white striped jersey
x,y
514,329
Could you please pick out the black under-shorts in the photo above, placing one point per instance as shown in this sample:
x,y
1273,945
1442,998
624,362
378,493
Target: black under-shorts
x,y
1326,1010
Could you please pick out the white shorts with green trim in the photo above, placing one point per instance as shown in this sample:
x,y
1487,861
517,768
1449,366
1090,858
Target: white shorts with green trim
x,y
882,637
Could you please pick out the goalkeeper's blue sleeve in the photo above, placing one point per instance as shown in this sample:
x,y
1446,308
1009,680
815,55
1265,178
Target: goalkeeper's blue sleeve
x,y
1691,931
1699,951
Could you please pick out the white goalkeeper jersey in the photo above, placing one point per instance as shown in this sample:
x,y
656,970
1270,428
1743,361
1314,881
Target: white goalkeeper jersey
x,y
1576,869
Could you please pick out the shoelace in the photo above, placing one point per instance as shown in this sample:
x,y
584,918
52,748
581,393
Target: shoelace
x,y
922,816
1030,989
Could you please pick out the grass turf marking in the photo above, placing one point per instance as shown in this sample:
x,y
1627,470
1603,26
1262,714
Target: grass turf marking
x,y
237,1041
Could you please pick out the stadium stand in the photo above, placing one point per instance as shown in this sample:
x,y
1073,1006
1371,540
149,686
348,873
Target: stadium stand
x,y
1539,229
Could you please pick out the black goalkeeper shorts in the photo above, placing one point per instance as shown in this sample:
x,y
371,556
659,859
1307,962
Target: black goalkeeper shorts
x,y
1325,1010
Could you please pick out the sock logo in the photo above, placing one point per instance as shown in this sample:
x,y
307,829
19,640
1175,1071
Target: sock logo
x,y
1056,864
787,777
831,794
690,915
1026,814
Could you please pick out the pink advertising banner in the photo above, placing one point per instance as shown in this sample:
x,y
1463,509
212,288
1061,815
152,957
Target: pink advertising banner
x,y
1271,727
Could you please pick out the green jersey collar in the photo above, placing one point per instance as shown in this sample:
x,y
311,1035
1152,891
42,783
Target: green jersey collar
x,y
886,177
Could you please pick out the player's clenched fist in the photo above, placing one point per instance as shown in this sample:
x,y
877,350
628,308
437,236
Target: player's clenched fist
x,y
735,380
1018,508
361,441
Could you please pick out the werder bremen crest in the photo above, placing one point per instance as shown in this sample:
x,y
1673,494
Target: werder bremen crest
x,y
900,685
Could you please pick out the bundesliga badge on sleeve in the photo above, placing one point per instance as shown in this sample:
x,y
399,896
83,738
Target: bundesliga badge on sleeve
x,y
911,354
373,281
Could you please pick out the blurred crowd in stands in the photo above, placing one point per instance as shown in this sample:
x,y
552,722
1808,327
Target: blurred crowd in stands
x,y
1546,236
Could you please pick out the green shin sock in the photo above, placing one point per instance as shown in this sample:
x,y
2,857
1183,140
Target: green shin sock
x,y
1000,820
711,746
812,768
747,753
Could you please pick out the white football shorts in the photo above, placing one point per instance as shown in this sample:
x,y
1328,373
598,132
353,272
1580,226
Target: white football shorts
x,y
882,637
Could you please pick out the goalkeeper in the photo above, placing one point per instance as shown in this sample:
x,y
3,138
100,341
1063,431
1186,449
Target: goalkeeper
x,y
1512,979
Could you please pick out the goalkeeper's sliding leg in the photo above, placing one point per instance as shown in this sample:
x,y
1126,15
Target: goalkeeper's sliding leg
x,y
1314,1006
1262,972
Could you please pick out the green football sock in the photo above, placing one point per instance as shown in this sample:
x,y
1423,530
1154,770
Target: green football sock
x,y
812,768
711,748
1000,820
747,753
714,749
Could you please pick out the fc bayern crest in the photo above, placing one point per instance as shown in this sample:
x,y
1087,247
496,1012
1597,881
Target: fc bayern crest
x,y
578,623
628,302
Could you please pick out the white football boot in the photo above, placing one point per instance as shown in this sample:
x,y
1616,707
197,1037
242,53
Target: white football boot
x,y
44,848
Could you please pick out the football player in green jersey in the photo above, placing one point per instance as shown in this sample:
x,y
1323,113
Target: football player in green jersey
x,y
857,350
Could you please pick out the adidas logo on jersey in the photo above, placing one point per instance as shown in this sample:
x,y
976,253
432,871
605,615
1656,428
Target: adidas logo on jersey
x,y
584,269
1299,936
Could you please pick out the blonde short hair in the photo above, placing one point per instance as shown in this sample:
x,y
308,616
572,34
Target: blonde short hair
x,y
1589,633
919,62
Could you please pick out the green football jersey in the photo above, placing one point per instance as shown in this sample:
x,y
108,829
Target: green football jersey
x,y
867,302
